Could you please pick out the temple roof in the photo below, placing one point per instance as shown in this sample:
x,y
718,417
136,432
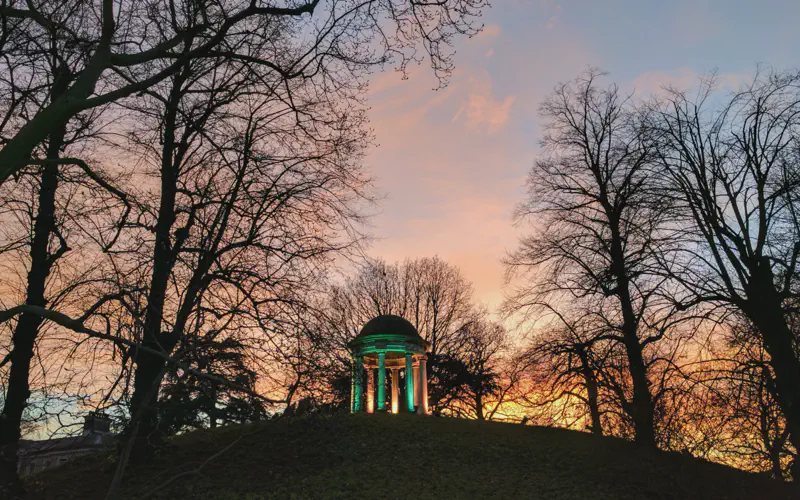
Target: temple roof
x,y
389,327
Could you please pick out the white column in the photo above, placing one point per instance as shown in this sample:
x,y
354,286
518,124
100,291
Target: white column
x,y
370,390
416,386
423,382
395,390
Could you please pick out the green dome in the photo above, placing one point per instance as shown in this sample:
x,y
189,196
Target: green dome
x,y
388,328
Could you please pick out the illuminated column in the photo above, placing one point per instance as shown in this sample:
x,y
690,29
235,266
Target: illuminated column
x,y
423,382
358,385
353,384
381,381
395,390
370,390
416,386
410,379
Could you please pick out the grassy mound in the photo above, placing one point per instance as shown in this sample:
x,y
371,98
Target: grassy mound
x,y
405,456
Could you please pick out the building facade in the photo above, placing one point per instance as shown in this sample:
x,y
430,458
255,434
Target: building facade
x,y
36,456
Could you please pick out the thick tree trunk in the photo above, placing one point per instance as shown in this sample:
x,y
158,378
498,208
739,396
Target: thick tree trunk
x,y
764,307
642,410
27,329
479,406
775,448
143,429
149,367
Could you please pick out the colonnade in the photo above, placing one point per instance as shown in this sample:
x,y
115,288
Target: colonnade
x,y
416,381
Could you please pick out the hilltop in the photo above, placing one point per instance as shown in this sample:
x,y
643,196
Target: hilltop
x,y
406,456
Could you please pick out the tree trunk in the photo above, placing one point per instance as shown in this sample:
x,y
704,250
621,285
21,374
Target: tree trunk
x,y
149,367
590,381
642,407
479,406
27,329
775,448
764,307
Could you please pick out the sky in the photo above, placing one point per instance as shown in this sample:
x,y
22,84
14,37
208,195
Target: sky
x,y
451,164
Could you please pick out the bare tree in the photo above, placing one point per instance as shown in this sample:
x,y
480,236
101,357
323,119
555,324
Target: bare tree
x,y
565,362
126,47
430,293
730,175
255,134
484,345
54,218
597,227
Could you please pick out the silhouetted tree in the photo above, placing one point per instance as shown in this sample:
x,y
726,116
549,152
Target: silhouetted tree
x,y
566,366
190,402
179,69
730,175
598,227
483,345
57,185
127,47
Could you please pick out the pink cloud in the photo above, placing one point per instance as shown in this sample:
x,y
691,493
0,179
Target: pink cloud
x,y
445,195
490,31
482,111
451,164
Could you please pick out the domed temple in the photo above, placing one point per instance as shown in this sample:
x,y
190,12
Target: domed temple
x,y
389,342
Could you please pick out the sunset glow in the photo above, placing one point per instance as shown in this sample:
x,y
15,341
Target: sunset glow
x,y
314,248
452,163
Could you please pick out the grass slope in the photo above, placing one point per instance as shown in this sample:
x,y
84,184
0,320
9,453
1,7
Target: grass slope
x,y
406,456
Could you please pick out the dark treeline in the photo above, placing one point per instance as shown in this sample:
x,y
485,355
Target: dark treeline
x,y
663,267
